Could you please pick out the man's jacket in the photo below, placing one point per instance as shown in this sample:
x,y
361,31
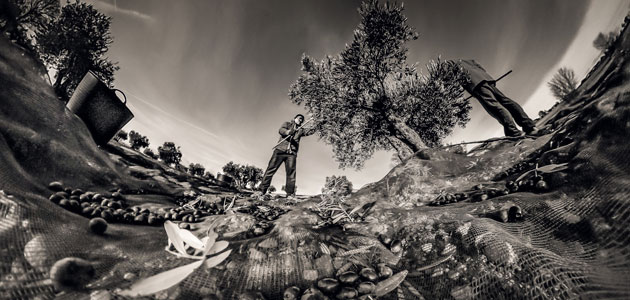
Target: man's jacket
x,y
292,144
476,73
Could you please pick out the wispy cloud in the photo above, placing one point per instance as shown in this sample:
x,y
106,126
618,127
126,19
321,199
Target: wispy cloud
x,y
109,7
197,144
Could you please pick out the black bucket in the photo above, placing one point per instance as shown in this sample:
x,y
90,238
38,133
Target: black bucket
x,y
101,110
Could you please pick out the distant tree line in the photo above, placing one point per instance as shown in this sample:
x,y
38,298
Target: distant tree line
x,y
245,176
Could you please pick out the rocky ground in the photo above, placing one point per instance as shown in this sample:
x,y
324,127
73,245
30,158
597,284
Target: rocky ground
x,y
538,217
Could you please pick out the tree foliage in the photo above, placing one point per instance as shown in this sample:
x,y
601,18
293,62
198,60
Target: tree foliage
x,y
149,152
196,169
169,153
75,43
604,41
137,140
367,98
243,175
122,135
337,186
563,83
22,19
208,175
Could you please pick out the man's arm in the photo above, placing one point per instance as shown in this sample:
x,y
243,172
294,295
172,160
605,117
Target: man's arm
x,y
286,129
307,131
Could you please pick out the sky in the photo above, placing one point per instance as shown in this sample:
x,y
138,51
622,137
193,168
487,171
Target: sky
x,y
213,76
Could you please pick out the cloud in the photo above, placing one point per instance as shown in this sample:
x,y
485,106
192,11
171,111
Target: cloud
x,y
112,8
197,144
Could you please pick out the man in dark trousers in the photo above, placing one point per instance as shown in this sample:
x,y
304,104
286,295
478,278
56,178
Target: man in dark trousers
x,y
483,87
286,151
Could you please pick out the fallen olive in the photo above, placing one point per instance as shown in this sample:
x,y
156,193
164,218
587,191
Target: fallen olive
x,y
107,215
62,194
84,198
291,293
541,185
118,196
71,273
349,278
328,285
87,211
55,198
313,293
396,246
368,274
347,293
384,271
55,186
502,215
98,225
65,203
140,219
128,217
366,287
74,205
515,213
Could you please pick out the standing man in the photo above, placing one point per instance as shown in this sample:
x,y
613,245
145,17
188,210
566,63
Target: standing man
x,y
483,87
286,151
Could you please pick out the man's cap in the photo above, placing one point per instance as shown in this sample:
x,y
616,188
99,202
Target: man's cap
x,y
299,115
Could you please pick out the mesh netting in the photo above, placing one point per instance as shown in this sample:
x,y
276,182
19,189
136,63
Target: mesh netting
x,y
571,242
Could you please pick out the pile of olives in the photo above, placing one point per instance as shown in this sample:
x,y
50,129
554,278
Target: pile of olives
x,y
263,212
535,184
113,208
479,193
110,207
346,285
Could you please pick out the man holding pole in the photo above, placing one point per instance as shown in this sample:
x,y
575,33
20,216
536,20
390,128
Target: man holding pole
x,y
483,87
286,151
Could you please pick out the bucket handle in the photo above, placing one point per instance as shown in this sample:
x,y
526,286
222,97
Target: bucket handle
x,y
117,90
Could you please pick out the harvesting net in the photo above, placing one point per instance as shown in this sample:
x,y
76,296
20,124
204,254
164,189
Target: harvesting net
x,y
430,217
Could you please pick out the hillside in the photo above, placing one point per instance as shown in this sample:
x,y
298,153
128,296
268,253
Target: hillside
x,y
451,225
